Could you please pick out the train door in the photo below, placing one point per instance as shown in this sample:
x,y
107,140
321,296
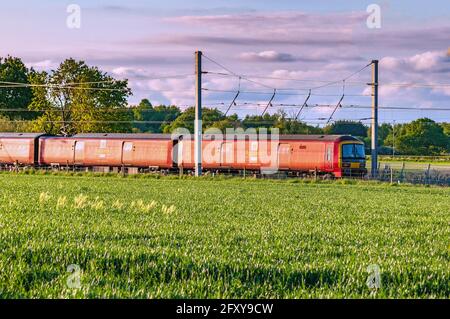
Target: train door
x,y
284,156
127,153
253,152
185,153
329,157
178,157
226,154
78,156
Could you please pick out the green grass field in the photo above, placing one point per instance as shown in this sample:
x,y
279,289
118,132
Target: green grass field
x,y
231,238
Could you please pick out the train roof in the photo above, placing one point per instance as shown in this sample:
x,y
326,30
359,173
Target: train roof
x,y
327,138
146,136
21,135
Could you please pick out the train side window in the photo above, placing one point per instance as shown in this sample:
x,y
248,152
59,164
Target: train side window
x,y
128,147
329,154
79,146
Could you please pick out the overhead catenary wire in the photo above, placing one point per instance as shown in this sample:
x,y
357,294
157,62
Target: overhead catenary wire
x,y
235,98
237,105
99,89
281,93
327,83
344,79
340,101
235,74
244,122
270,102
102,85
152,77
303,106
284,78
334,82
63,87
419,85
79,85
337,106
75,83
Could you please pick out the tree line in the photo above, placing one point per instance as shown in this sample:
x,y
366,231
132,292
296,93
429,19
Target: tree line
x,y
78,98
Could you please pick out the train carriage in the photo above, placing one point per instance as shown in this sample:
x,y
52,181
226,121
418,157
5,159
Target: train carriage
x,y
112,150
337,155
19,148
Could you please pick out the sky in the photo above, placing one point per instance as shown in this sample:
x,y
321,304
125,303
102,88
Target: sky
x,y
291,46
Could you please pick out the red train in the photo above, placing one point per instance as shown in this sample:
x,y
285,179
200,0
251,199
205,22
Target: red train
x,y
332,155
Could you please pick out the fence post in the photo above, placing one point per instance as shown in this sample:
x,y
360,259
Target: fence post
x,y
402,171
392,175
378,170
427,181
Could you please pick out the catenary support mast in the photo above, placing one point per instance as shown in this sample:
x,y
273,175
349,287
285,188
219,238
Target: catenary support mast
x,y
374,136
198,114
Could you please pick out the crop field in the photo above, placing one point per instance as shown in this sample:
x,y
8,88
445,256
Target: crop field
x,y
113,237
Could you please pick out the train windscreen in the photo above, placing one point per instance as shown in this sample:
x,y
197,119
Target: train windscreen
x,y
353,151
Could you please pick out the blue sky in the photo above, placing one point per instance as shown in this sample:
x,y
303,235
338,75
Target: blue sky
x,y
311,40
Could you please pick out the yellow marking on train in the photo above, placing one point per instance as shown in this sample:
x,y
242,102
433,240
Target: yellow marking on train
x,y
354,165
103,151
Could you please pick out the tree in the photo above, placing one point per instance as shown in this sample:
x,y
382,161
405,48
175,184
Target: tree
x,y
77,98
231,121
347,127
13,96
140,114
266,121
213,118
383,132
291,126
8,125
153,119
186,120
446,128
420,137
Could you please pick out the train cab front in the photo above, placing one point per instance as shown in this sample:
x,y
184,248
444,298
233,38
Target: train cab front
x,y
353,159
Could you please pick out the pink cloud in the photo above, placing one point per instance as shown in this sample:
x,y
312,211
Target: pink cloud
x,y
42,65
426,61
267,56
